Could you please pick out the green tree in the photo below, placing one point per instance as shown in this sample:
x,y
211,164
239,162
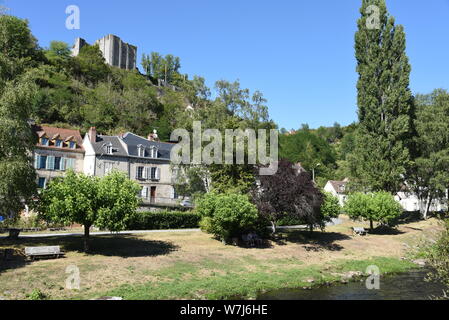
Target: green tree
x,y
374,207
330,208
161,68
385,105
90,66
17,140
18,48
108,202
227,215
428,176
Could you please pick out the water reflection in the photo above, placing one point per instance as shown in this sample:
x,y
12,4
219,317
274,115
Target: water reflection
x,y
408,286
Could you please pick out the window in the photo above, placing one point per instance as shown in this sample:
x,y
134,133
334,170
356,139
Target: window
x,y
154,153
58,161
108,167
175,194
141,151
144,193
58,143
44,141
42,183
72,145
43,162
155,174
139,173
109,149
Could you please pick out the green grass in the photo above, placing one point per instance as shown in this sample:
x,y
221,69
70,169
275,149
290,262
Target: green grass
x,y
185,281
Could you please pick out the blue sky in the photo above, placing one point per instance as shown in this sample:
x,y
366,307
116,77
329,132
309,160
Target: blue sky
x,y
299,53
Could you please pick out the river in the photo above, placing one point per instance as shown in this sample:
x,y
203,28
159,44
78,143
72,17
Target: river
x,y
407,286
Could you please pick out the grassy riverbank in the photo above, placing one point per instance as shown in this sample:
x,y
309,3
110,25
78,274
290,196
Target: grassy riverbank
x,y
191,265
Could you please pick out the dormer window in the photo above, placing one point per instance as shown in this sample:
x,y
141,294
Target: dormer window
x,y
44,141
72,145
109,149
141,151
59,143
153,152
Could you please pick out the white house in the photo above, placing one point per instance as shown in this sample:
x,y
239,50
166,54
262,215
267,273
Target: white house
x,y
408,200
337,189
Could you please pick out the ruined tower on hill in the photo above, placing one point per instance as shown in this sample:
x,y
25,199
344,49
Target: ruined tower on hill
x,y
116,52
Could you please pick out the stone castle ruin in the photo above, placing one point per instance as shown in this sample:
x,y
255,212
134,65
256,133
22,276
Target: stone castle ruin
x,y
116,52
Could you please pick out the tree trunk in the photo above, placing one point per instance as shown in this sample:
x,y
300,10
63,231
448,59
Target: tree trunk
x,y
371,225
429,202
86,238
273,227
311,228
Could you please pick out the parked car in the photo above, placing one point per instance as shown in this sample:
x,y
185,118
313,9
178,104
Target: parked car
x,y
187,203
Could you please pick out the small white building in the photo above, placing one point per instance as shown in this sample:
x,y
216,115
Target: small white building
x,y
337,189
408,200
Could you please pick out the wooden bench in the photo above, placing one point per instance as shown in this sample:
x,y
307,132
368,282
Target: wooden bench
x,y
43,252
359,231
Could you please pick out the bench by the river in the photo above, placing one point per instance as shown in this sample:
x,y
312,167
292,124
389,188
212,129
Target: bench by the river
x,y
44,252
359,231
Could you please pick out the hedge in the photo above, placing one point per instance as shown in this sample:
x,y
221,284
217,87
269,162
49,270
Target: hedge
x,y
164,220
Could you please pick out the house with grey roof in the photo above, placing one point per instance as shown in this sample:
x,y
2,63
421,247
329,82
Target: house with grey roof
x,y
144,160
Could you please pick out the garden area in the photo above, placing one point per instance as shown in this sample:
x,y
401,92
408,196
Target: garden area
x,y
193,265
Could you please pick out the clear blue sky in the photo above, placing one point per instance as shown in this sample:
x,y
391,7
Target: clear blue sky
x,y
299,53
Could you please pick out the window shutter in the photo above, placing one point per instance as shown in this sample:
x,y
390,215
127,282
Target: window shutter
x,y
63,160
37,161
51,163
158,174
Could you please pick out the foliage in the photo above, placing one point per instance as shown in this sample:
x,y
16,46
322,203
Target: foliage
x,y
163,220
438,257
289,193
227,215
385,103
107,202
37,295
158,67
330,208
17,91
429,177
312,151
380,207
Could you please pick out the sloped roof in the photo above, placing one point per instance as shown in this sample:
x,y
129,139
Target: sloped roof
x,y
339,186
53,133
133,141
103,141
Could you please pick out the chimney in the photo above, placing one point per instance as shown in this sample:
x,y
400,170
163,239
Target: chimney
x,y
153,136
93,134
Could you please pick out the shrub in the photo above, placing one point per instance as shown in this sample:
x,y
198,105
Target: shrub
x,y
438,257
163,220
380,207
228,215
331,207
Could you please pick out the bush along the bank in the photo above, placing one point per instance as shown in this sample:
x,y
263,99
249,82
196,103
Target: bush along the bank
x,y
378,207
228,216
164,220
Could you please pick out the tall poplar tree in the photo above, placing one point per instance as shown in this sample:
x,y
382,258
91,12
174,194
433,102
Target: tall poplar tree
x,y
18,48
385,103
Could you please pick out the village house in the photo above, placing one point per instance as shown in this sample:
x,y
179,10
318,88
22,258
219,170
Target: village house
x,y
145,160
337,189
408,199
57,151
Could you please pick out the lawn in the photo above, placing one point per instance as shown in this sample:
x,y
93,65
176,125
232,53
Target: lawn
x,y
192,265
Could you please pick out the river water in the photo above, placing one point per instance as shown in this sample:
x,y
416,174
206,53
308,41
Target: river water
x,y
407,286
